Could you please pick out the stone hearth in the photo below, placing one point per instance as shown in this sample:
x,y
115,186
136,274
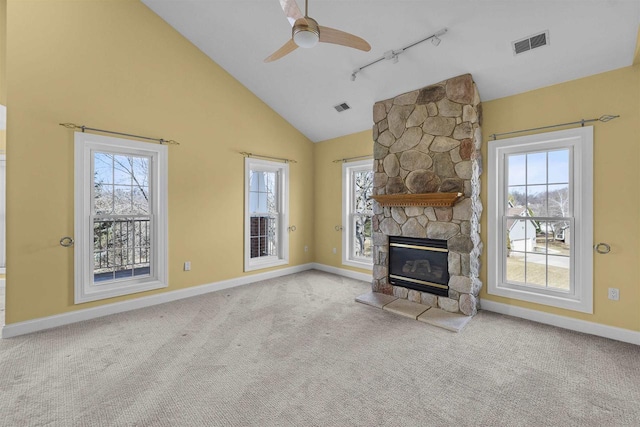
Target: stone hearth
x,y
428,141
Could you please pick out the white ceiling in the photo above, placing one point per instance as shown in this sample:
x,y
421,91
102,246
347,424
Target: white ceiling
x,y
586,37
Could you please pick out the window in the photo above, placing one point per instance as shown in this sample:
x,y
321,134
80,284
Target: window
x,y
357,212
266,214
3,201
121,222
541,218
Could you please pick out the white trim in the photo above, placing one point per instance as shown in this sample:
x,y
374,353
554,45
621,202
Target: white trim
x,y
251,264
347,196
612,332
43,323
85,145
3,117
3,213
580,142
343,272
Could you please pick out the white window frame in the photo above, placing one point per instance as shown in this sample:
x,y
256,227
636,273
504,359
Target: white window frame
x,y
580,143
85,145
3,214
282,258
348,257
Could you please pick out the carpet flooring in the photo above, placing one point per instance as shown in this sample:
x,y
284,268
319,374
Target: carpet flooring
x,y
299,351
2,298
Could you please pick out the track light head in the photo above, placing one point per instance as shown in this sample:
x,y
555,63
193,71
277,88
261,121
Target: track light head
x,y
435,40
353,76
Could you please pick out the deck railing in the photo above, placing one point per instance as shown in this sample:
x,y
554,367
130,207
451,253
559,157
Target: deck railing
x,y
121,247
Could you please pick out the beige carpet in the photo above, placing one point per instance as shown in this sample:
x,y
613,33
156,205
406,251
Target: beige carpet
x,y
2,301
298,351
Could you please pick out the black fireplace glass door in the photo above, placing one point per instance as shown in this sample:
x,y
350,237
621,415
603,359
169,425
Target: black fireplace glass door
x,y
421,265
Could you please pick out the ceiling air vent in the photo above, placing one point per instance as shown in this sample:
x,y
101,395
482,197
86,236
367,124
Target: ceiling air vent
x,y
531,42
341,107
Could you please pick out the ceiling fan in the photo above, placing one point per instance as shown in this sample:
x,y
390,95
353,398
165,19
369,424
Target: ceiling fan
x,y
307,33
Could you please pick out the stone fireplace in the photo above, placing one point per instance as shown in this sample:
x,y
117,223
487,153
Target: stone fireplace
x,y
427,149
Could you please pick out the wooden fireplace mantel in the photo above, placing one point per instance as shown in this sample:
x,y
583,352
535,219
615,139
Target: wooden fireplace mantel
x,y
425,199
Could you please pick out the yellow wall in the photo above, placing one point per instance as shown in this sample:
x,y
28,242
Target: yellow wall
x,y
616,171
116,65
616,177
3,52
328,193
3,57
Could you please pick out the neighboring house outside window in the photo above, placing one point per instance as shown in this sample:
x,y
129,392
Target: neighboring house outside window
x,y
266,214
520,232
121,217
357,211
541,218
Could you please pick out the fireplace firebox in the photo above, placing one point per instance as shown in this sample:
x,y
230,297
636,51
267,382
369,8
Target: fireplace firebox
x,y
419,264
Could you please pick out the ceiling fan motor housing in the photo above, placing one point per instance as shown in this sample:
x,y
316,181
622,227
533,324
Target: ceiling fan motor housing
x,y
305,32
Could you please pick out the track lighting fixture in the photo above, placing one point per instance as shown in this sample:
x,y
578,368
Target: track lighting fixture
x,y
392,55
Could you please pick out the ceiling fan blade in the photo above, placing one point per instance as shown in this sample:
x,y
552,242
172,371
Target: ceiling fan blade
x,y
292,10
287,48
331,35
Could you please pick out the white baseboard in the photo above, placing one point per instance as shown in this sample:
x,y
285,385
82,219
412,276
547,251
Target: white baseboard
x,y
612,332
367,277
42,323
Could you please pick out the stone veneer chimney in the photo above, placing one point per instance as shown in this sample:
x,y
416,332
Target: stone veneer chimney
x,y
429,141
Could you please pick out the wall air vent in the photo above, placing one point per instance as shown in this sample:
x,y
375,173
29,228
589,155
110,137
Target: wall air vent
x,y
341,107
530,43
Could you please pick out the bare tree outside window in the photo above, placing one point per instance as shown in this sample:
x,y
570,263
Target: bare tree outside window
x,y
121,209
362,212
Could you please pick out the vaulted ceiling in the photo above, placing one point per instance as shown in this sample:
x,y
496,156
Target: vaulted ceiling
x,y
585,37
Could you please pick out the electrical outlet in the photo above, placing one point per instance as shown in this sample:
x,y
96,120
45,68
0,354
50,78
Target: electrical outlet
x,y
187,266
306,248
614,294
335,251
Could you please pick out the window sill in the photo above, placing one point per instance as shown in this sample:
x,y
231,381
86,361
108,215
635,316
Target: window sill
x,y
259,265
558,300
95,293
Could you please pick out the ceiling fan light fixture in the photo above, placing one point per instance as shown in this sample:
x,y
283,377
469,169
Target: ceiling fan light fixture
x,y
306,33
306,38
